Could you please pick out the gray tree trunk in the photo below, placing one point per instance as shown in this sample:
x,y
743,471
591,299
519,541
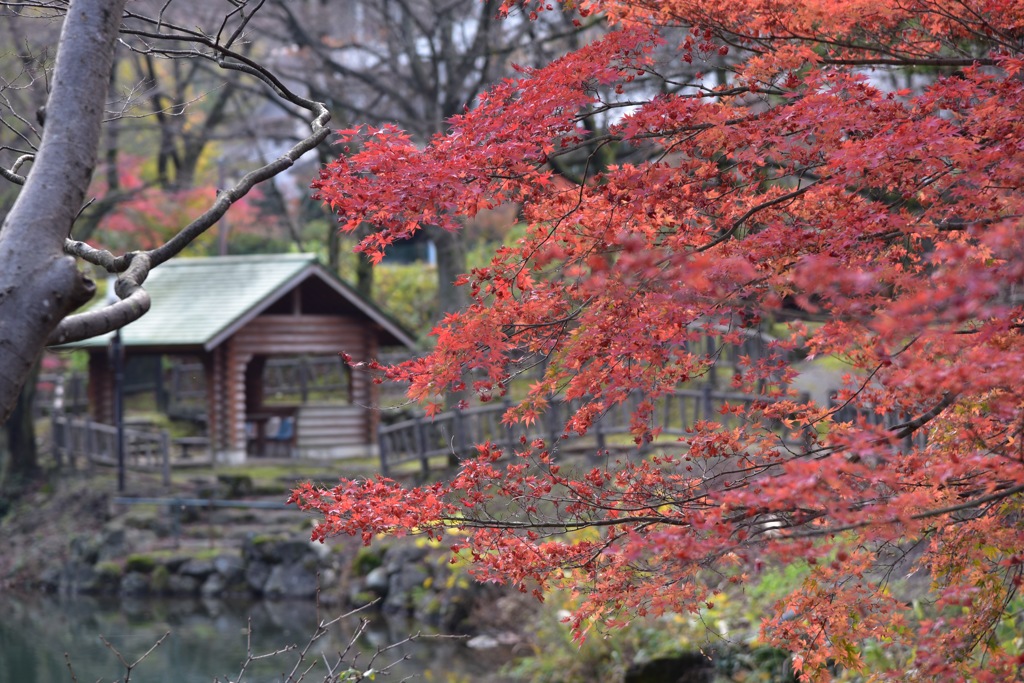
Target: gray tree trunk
x,y
451,263
39,284
22,461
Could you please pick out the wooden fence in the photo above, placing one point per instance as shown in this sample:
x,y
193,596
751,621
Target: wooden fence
x,y
454,433
78,440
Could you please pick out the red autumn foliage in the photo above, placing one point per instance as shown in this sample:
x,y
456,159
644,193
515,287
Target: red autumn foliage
x,y
890,217
145,214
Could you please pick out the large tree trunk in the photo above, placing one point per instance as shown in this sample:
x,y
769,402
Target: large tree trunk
x,y
22,462
39,284
451,263
364,269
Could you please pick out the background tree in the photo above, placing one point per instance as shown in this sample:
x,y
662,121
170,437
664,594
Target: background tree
x,y
888,221
52,166
410,63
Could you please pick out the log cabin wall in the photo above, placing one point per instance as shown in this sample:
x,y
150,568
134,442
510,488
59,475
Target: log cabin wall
x,y
325,431
329,430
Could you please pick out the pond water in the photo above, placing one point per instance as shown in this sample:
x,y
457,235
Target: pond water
x,y
40,635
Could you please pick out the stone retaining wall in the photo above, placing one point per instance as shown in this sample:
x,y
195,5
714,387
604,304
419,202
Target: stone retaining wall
x,y
408,577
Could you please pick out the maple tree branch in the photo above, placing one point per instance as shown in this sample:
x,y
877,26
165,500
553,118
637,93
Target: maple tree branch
x,y
905,429
911,62
947,225
246,18
926,514
738,223
495,523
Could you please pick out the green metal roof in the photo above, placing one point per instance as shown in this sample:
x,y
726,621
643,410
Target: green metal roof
x,y
199,302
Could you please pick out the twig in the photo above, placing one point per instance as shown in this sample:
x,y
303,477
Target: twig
x,y
128,668
67,660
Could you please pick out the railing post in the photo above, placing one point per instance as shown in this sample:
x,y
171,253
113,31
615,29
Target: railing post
x,y
69,442
510,434
421,444
554,405
459,422
645,444
165,454
808,440
174,507
90,440
709,348
303,381
55,430
382,448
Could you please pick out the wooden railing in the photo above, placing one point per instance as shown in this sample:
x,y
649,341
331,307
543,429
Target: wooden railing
x,y
455,433
93,443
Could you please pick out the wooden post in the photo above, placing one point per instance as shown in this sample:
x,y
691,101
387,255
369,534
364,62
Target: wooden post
x,y
552,419
713,370
804,398
382,445
90,440
421,444
458,421
55,429
644,441
303,379
165,455
510,435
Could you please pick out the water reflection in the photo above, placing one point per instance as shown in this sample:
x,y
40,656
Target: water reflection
x,y
207,642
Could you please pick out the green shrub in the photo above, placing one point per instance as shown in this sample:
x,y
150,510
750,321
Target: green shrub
x,y
109,569
144,564
160,579
366,560
408,293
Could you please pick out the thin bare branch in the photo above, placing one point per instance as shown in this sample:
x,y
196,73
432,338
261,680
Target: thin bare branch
x,y
129,667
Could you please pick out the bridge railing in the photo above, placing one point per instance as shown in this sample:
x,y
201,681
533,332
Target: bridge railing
x,y
455,433
94,443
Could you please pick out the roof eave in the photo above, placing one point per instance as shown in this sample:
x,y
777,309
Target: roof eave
x,y
346,292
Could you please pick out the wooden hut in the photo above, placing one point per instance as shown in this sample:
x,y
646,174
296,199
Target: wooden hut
x,y
233,313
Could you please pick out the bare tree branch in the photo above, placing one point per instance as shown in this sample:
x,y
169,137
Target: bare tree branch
x,y
40,283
